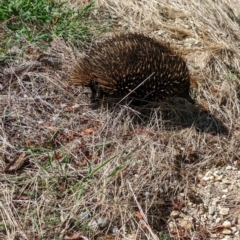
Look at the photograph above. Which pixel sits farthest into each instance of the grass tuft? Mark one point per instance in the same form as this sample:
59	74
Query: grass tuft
38	22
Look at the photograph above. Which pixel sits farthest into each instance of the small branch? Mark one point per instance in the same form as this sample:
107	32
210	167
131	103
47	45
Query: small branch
23	67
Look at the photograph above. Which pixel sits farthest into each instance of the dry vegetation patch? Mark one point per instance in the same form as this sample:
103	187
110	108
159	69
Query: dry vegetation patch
69	171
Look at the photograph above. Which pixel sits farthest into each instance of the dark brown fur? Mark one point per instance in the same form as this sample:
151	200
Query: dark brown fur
134	66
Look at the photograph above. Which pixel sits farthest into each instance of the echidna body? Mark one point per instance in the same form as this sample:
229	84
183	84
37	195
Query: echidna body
133	66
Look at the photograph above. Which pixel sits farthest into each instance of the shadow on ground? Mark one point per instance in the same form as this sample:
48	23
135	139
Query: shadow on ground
172	116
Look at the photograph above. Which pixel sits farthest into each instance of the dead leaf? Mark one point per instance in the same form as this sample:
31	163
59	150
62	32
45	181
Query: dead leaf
195	84
76	236
16	164
62	188
143	225
30	143
203	107
108	237
138	215
58	155
178	205
186	224
52	128
213	89
56	20
217	229
148	132
69	109
23	198
88	131
81	164
179	232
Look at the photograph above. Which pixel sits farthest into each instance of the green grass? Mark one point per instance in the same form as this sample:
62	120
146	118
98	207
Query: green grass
164	236
40	21
233	77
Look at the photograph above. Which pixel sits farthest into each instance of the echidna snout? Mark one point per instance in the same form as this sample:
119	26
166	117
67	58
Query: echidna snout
133	66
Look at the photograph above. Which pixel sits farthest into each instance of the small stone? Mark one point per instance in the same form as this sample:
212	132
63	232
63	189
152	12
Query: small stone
224	196
210	217
228	167
113	230
211	177
224	211
186	224
103	222
200	176
214	202
219	178
130	236
93	225
226	232
234	229
75	106
85	216
174	214
225	190
208	174
227	224
63	105
227	181
211	210
171	225
205	178
201	209
237	233
218	220
216	173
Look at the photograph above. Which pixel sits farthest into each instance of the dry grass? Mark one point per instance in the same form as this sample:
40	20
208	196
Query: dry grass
101	171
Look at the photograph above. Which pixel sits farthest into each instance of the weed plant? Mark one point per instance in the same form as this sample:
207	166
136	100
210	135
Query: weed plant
39	21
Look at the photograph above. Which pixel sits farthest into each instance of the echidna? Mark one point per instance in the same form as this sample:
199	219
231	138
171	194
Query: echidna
133	66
